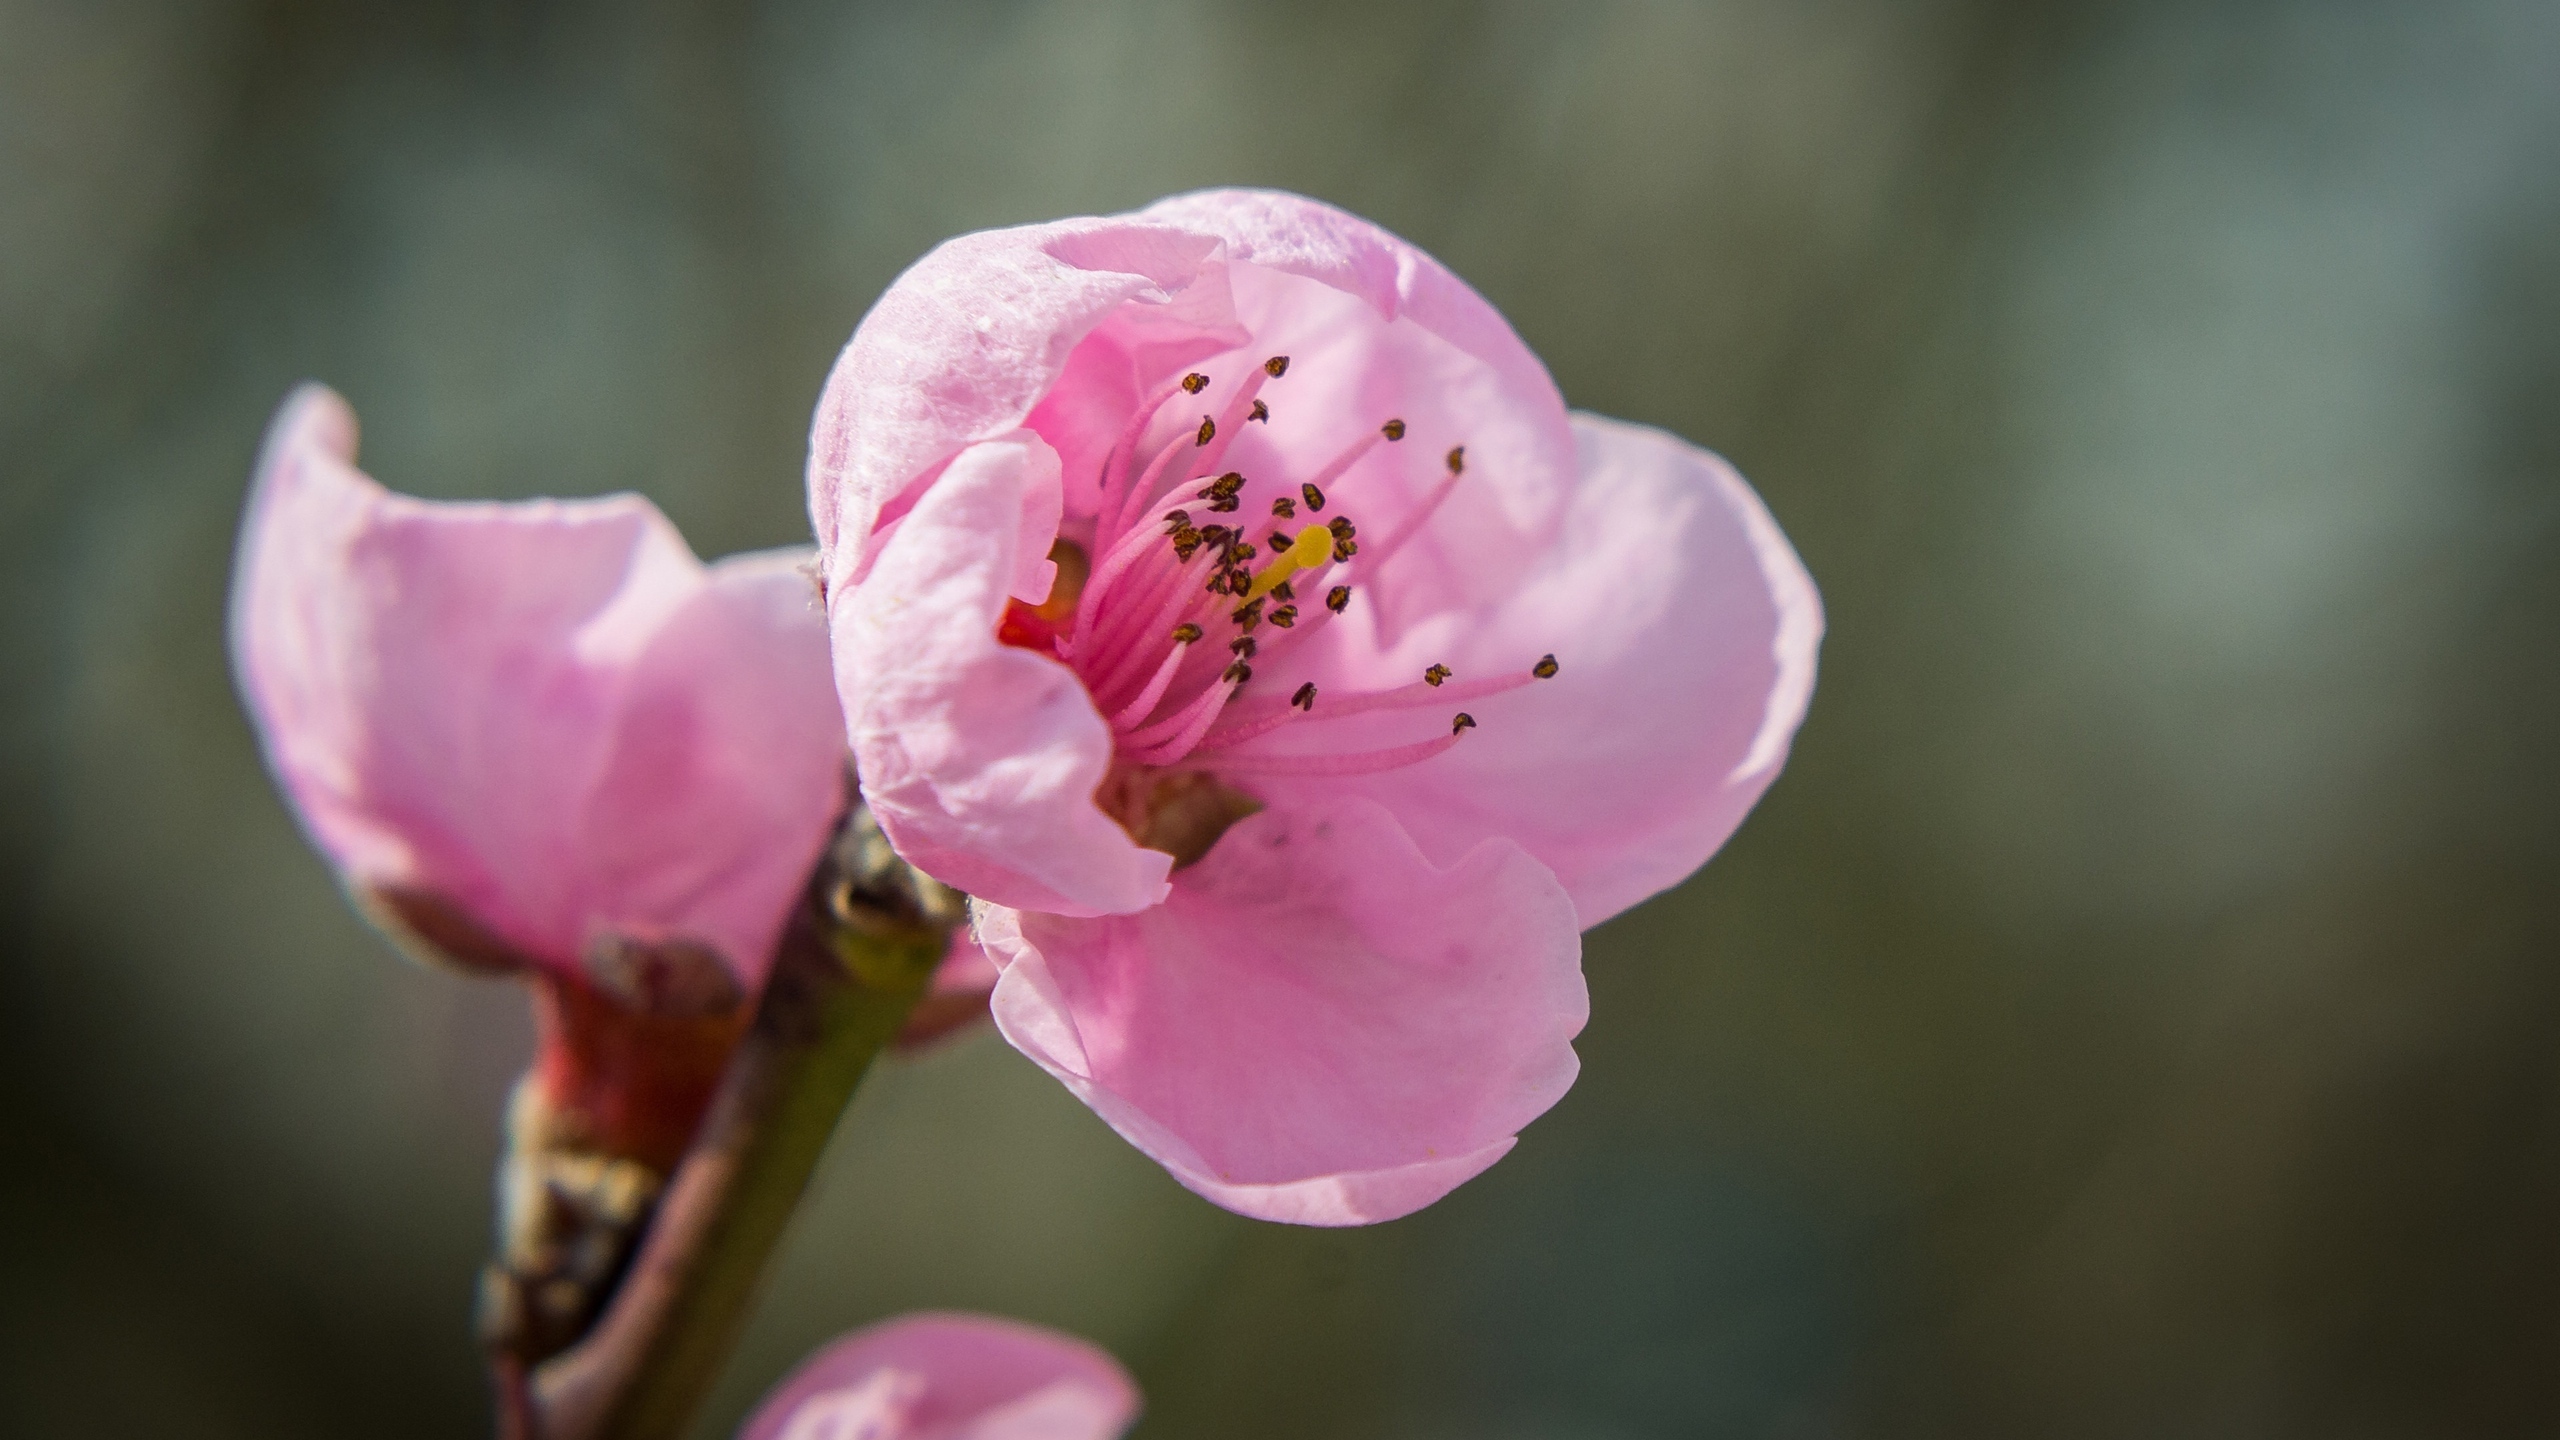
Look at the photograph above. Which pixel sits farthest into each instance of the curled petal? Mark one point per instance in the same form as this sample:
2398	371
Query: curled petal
545	717
1319	1025
979	758
966	343
950	1377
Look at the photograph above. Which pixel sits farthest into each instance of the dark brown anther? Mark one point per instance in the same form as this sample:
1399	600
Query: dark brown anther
1276	366
1244	646
1260	412
1285	616
1282	593
1336	598
1315	497
1186	545
1393	430
1239	672
1278	540
1214	534
1342	527
1227	484
1177	519
1225	505
1185	633
1437	676
1305	699
1457	458
1464	722
1283	507
1195	382
1344	550
1208	431
1248	614
1240	552
1545	669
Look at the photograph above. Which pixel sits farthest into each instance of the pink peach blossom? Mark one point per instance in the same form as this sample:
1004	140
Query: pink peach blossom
1224	597
950	1377
538	733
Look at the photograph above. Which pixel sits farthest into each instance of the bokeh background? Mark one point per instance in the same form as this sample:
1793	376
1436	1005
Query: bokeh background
2134	1012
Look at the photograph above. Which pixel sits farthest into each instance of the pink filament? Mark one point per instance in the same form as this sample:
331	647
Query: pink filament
1116	468
1187	726
1366	762
1403	697
1138	709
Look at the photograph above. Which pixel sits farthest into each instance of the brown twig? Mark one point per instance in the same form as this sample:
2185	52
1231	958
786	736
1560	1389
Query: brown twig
857	955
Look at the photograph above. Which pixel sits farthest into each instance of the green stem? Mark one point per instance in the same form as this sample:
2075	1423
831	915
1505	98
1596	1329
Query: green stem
858	954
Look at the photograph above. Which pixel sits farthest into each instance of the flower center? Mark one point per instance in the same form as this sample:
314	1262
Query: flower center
1166	627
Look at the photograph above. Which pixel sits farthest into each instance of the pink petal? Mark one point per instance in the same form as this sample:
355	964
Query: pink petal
962	347
979	758
1686	630
544	713
1319	1025
725	767
950	1377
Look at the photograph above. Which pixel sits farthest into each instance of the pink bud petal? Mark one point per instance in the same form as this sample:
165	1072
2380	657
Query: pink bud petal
950	1377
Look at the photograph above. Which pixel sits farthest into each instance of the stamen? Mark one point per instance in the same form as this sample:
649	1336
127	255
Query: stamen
1463	723
1141	615
1413	523
1237	673
1285	616
1142	492
1283	507
1437	676
1117	505
1238	409
1260	412
1313	489
1457	459
1140	708
1208	431
1171	739
1107	574
1336	598
1243	646
1368	762
1253	721
1305	699
1545	669
1185	633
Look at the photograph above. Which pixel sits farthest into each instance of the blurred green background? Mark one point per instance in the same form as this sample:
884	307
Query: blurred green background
2132	1014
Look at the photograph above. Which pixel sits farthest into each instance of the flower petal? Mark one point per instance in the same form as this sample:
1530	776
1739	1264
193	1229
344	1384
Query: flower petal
979	758
963	346
532	713
1686	630
941	1376
1319	1025
724	767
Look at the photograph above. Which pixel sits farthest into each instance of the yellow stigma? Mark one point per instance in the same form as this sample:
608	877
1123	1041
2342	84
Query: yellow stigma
1313	547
